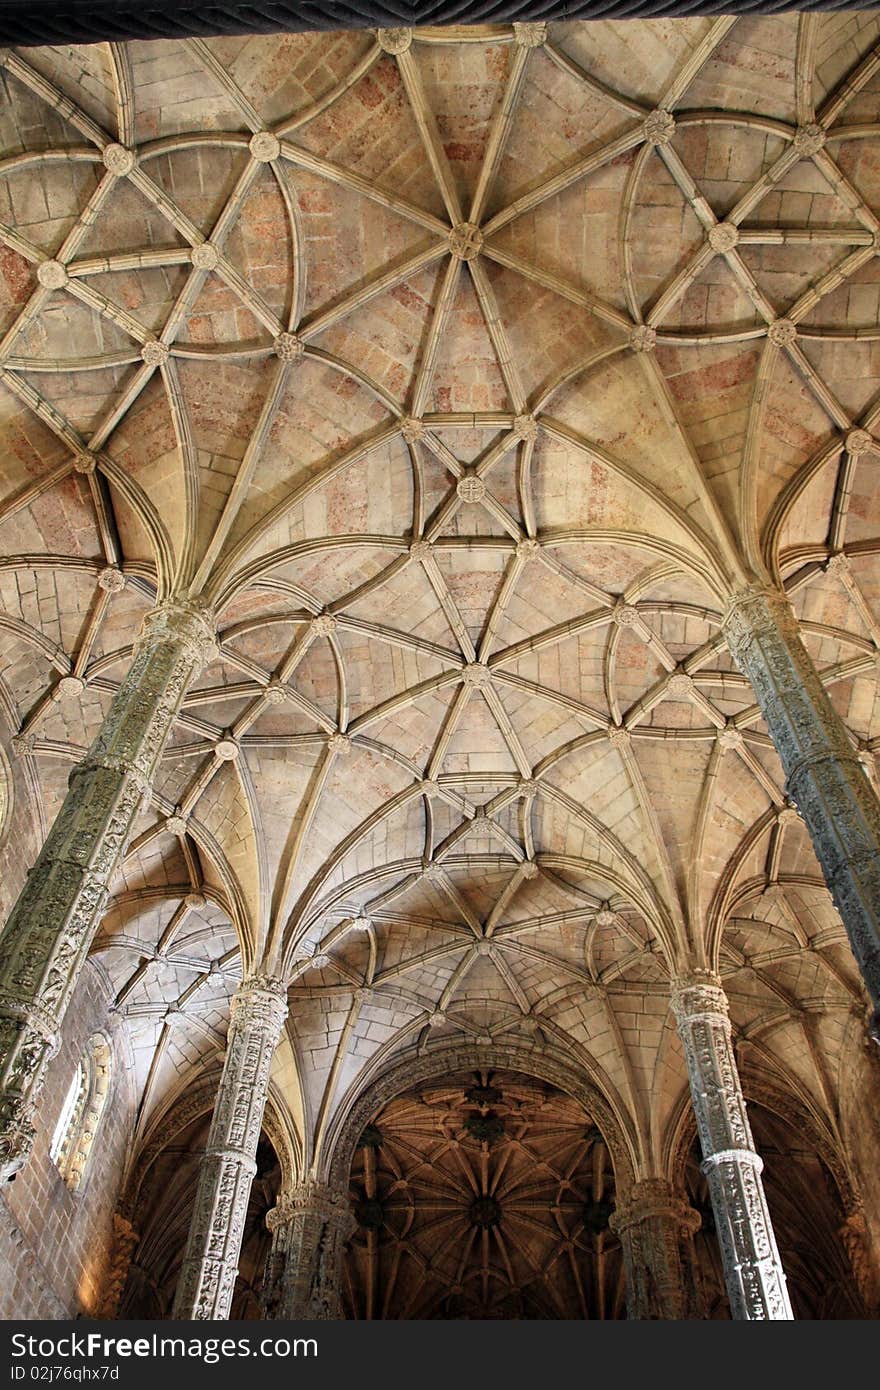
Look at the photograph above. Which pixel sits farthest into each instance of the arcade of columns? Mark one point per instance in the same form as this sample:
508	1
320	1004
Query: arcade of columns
717	574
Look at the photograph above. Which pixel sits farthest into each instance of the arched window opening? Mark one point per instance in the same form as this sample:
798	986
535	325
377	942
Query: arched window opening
74	1136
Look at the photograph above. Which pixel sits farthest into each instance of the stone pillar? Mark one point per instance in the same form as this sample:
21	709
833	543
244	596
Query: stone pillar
752	1267
309	1226
210	1264
857	1243
125	1238
824	776
47	937
656	1230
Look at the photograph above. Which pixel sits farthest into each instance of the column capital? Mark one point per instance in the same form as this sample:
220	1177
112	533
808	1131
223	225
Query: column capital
699	994
310	1225
312	1198
179	620
756	608
649	1199
656	1228
260	1001
262	983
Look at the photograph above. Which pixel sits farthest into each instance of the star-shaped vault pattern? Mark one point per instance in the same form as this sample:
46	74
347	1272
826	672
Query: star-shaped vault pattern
465	373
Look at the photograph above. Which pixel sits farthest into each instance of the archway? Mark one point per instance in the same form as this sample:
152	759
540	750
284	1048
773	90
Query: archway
484	1193
809	1221
162	1213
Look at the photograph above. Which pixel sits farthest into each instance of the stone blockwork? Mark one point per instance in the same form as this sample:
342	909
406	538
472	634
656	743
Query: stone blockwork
466	381
59	1244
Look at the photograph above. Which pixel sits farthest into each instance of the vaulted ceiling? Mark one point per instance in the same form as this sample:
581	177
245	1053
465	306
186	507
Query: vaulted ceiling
465	373
484	1196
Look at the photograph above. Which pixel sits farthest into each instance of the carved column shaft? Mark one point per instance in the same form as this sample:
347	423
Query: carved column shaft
210	1264
752	1268
309	1226
857	1243
823	772
656	1230
49	931
125	1238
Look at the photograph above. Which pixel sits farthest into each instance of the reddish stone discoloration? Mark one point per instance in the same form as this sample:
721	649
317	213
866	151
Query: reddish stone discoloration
721	376
17	276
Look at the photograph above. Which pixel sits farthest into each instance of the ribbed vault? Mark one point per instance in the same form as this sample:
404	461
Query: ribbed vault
465	373
484	1196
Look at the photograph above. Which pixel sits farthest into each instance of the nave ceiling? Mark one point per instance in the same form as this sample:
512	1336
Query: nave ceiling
465	374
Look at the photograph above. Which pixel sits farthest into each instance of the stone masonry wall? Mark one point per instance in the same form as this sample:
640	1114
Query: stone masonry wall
55	1244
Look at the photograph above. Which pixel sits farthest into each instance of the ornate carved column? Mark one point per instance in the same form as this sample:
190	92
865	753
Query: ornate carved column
752	1267
824	775
656	1230
49	931
125	1238
309	1226
210	1264
857	1243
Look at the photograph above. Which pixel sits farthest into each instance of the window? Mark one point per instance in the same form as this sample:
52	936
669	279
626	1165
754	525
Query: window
81	1112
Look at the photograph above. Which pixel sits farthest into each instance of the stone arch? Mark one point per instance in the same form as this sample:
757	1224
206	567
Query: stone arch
768	1098
192	1103
409	1071
762	1089
161	1189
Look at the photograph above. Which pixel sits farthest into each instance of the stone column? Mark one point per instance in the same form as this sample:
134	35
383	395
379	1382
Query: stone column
656	1230
210	1264
309	1226
857	1243
752	1267
125	1238
823	772
47	936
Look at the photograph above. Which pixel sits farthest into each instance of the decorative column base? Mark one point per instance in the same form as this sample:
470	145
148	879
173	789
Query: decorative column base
309	1226
210	1264
752	1268
656	1230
